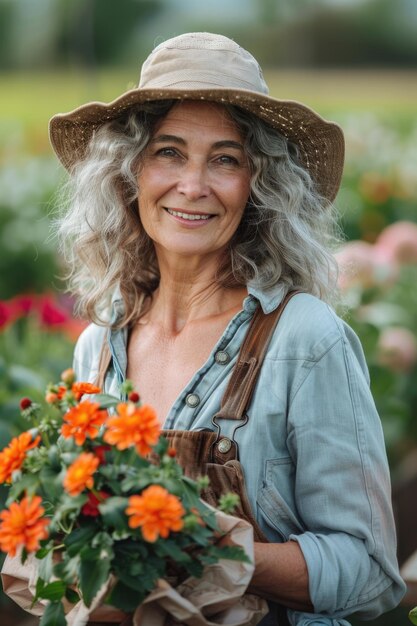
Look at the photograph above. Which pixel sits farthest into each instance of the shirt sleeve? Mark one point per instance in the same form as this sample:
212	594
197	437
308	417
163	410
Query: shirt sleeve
343	492
87	353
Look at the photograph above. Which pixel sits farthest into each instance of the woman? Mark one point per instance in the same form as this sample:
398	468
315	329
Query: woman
195	200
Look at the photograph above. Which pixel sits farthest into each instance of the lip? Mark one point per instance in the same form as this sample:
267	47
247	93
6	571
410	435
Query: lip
193	223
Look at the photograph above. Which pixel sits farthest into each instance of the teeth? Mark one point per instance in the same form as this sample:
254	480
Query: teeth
188	216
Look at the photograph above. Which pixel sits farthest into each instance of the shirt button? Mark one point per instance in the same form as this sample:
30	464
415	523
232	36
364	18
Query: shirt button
224	445
192	400
222	357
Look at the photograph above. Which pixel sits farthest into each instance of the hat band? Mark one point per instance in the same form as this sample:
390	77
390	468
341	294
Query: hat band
196	79
193	79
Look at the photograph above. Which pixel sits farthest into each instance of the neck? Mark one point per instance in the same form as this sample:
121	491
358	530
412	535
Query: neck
188	292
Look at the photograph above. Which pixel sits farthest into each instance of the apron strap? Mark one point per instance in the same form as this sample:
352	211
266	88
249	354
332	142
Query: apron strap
241	385
103	363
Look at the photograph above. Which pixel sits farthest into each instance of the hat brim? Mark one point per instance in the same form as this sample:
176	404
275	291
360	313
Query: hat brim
320	143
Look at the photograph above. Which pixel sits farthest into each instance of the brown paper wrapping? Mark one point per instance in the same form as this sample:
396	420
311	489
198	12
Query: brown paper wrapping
218	598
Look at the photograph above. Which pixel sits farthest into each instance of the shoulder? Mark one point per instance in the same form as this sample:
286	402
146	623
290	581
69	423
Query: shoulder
87	351
309	328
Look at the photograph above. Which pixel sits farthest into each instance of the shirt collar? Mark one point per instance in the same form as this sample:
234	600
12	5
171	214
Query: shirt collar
269	300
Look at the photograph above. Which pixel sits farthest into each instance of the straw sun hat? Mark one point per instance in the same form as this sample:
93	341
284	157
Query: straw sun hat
203	66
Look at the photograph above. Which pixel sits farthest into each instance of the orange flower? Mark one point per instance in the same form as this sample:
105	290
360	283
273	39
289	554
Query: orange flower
157	512
83	420
133	425
79	475
12	457
79	389
22	526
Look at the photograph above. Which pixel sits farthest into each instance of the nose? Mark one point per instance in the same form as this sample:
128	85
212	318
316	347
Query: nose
193	181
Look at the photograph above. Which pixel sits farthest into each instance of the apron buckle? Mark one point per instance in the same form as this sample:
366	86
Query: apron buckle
224	444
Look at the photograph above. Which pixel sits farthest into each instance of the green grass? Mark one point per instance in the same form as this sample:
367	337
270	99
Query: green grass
30	99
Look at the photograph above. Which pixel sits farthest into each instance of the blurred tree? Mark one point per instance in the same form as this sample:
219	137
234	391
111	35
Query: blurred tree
6	17
307	33
47	33
98	31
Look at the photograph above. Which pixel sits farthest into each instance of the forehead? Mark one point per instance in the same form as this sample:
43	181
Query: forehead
200	117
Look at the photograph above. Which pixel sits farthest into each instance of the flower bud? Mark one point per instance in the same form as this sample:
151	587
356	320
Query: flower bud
134	396
51	397
25	403
203	482
228	502
172	452
68	376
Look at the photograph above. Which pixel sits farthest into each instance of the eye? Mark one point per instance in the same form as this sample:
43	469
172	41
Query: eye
167	152
227	159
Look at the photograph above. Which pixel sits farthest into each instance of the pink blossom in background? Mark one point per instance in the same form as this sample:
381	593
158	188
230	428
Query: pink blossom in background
397	243
397	349
356	265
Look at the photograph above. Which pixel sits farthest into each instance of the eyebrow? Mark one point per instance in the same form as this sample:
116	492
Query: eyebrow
224	143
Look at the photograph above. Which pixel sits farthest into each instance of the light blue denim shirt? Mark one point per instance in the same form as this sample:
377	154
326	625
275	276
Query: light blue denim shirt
312	451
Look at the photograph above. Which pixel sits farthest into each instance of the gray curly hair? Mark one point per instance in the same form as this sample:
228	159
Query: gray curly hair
286	235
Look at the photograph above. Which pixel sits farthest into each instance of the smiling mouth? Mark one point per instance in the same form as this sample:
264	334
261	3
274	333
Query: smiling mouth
189	216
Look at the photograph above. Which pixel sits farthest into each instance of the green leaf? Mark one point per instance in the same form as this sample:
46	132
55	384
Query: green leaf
79	538
68	569
28	483
93	574
126	598
194	568
170	548
106	401
162	446
71	595
40	584
201	535
413	615
52	591
231	553
45	566
51	482
113	513
103	542
53	615
190	494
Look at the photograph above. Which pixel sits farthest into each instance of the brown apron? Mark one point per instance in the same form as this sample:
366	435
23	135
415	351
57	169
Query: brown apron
207	452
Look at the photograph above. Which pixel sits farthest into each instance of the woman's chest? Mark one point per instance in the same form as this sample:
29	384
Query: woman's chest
161	366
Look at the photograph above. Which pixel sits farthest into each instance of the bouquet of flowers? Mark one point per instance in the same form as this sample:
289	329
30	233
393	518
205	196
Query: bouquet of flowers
98	501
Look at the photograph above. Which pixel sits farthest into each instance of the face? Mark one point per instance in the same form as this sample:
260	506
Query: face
193	181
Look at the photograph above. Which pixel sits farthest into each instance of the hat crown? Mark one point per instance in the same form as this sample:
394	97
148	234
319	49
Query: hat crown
202	61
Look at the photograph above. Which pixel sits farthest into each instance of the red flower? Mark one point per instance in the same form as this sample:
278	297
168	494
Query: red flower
25	403
100	452
90	508
22	305
6	314
51	314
